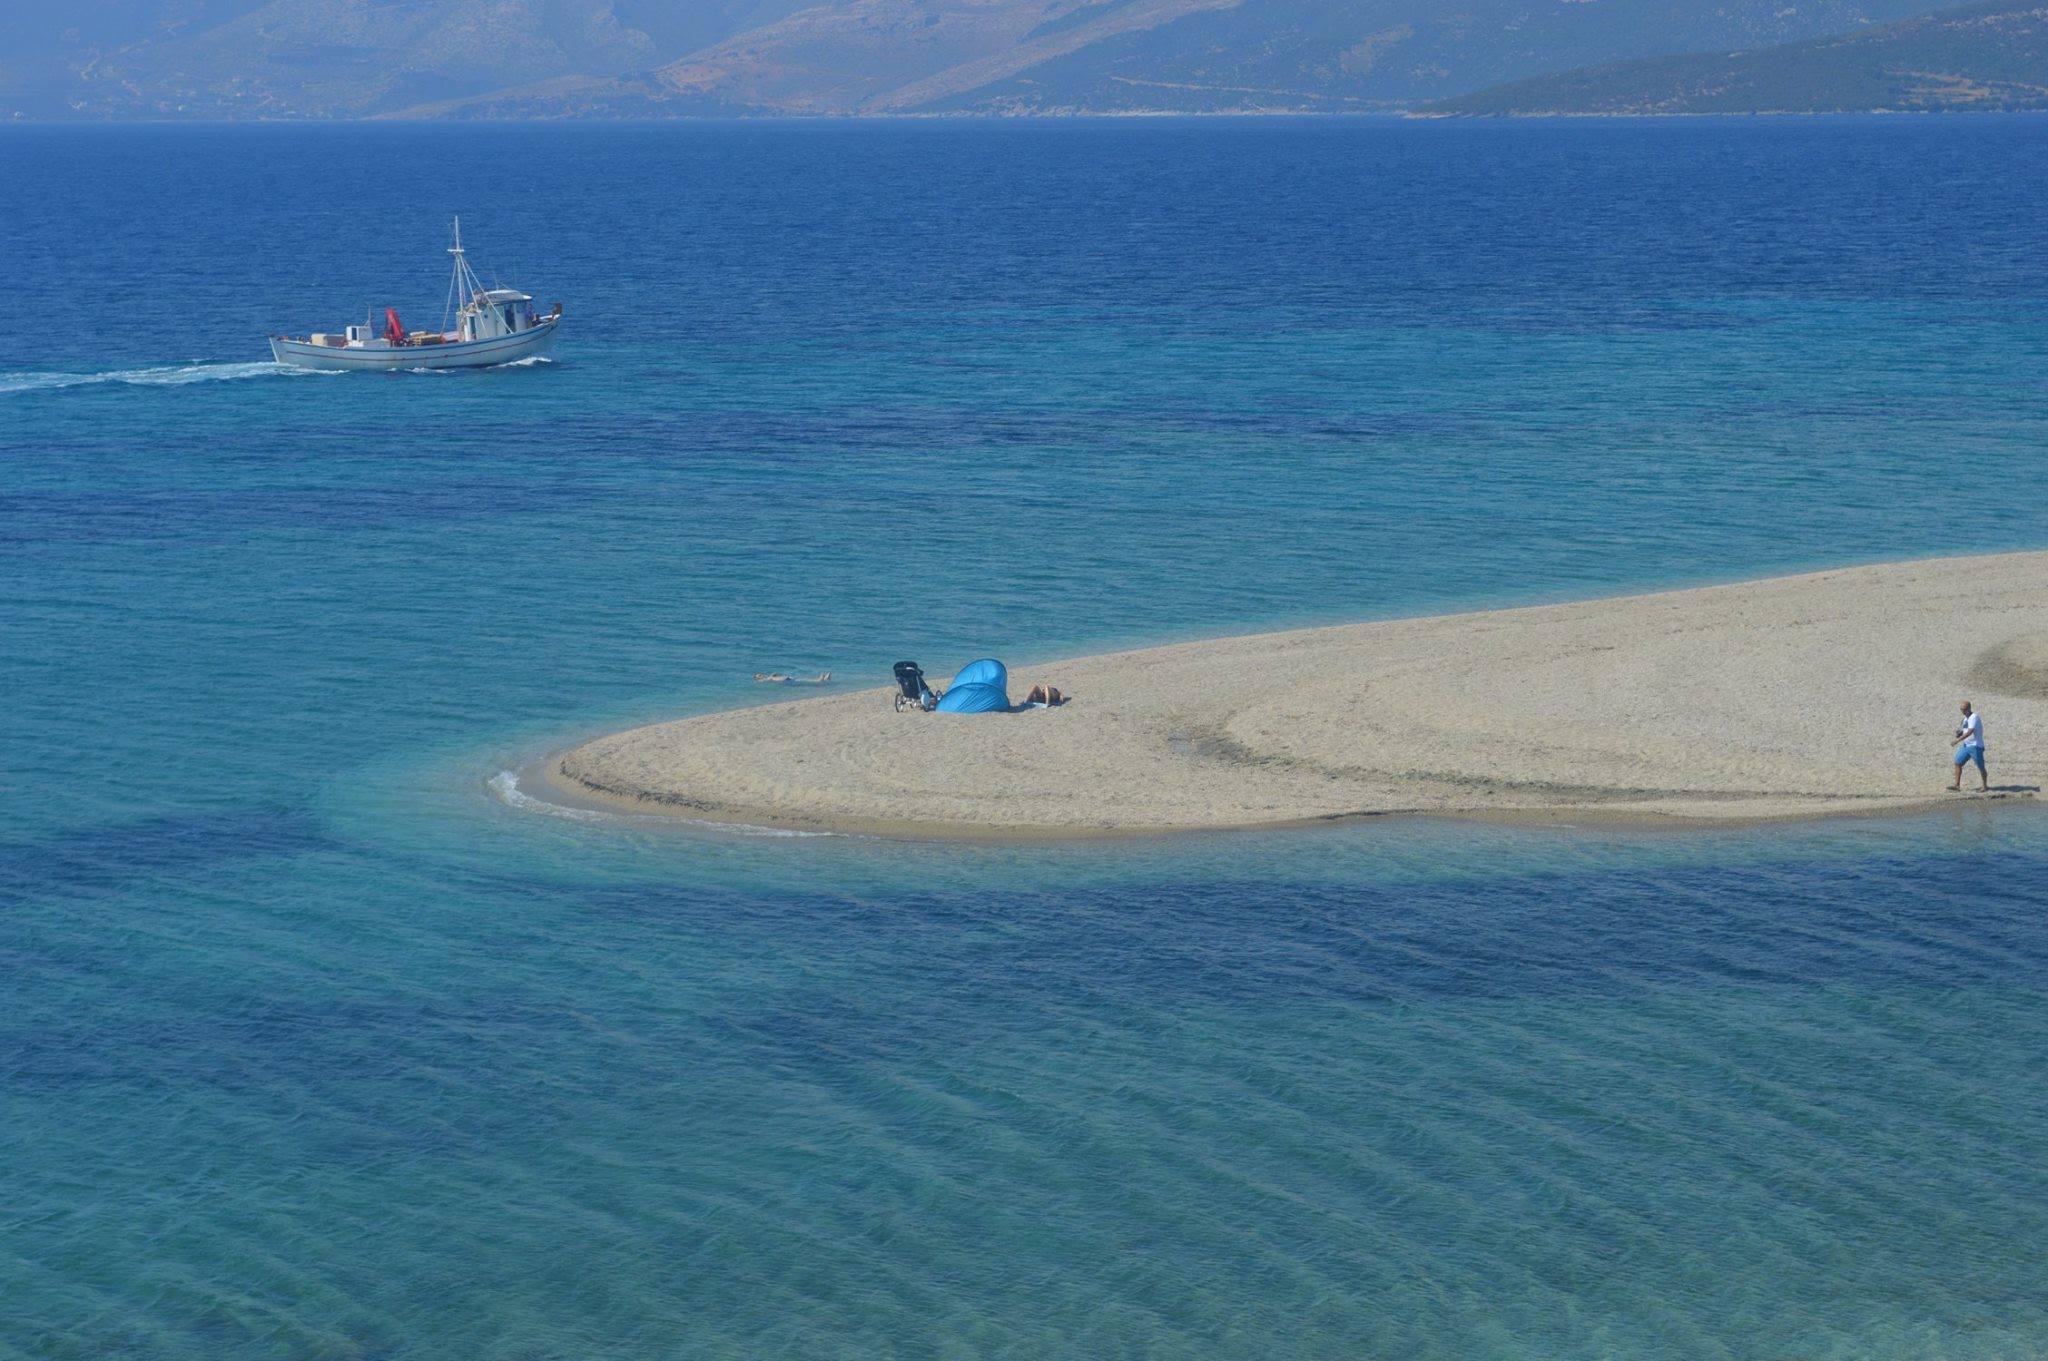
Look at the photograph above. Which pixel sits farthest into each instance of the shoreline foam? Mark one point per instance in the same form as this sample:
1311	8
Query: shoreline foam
1824	694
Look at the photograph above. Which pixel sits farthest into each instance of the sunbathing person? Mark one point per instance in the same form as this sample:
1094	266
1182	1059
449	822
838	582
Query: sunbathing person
1048	695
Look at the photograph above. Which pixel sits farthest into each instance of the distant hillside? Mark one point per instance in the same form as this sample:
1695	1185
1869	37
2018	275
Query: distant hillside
1363	55
331	58
1986	56
1174	56
600	58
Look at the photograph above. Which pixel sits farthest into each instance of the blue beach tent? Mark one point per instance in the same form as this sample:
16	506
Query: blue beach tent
982	687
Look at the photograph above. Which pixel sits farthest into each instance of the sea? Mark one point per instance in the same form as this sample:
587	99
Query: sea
320	1037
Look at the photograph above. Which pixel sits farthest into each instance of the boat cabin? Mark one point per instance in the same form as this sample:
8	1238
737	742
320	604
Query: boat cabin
495	312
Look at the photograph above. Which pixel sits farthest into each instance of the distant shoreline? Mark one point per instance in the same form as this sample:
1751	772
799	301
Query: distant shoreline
1542	115
1819	695
1390	115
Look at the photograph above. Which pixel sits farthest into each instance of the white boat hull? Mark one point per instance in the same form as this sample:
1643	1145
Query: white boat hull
461	354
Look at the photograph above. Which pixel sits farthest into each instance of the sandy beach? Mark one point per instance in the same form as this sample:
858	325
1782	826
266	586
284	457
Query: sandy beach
1815	695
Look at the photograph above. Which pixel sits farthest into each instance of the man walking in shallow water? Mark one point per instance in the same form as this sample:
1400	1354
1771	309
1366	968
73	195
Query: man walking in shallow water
1970	747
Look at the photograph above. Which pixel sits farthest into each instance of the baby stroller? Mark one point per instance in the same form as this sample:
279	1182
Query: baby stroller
911	691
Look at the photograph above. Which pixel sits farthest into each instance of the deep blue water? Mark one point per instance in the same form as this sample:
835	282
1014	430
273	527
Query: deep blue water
311	1046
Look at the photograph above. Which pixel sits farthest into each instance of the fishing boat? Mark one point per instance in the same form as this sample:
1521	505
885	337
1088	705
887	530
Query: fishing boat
491	326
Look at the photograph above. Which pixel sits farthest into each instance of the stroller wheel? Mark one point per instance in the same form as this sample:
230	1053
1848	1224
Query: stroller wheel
899	704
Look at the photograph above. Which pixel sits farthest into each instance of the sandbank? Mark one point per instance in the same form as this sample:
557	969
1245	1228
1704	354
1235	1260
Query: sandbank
1822	694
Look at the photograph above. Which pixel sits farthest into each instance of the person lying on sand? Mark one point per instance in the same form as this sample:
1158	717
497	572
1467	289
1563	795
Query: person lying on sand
1969	736
1048	695
777	678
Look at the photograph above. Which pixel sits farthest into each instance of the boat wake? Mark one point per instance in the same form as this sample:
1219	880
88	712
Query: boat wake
168	375
525	363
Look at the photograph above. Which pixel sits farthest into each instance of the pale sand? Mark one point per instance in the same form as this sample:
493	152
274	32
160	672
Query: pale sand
1823	694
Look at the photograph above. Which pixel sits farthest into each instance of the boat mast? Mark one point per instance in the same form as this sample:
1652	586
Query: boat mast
462	284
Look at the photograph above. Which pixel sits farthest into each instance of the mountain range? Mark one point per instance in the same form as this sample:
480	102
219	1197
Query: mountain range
1979	57
103	59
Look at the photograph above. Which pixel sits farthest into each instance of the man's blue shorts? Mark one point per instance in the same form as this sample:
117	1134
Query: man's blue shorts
1971	751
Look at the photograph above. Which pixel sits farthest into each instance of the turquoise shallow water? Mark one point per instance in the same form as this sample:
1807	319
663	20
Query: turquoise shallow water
313	1047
